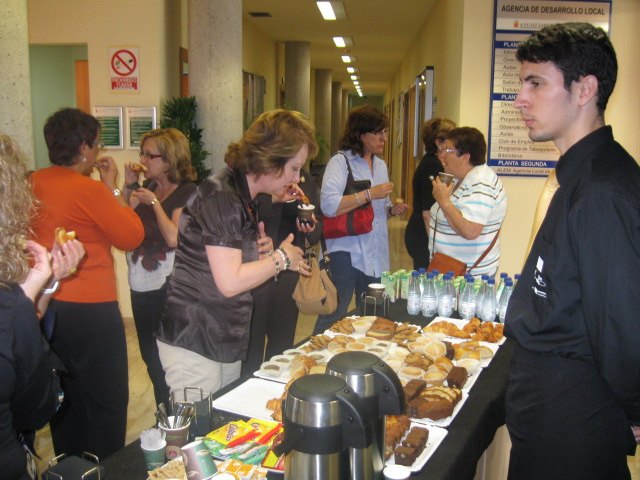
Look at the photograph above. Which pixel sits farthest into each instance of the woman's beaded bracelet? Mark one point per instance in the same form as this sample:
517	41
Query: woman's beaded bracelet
367	193
287	262
358	199
276	263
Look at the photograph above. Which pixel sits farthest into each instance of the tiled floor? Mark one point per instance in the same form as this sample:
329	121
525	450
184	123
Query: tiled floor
141	401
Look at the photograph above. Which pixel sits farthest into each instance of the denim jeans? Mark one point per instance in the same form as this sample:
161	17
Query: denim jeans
347	280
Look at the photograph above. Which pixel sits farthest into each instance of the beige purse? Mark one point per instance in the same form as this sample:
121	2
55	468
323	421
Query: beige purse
316	294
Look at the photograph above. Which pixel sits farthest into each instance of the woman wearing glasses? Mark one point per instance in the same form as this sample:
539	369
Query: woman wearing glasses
89	334
468	212
169	182
358	260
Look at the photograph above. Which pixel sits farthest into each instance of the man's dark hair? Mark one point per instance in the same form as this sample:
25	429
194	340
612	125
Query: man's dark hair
469	140
361	120
65	131
577	50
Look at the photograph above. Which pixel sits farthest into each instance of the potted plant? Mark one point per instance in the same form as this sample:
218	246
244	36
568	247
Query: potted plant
180	113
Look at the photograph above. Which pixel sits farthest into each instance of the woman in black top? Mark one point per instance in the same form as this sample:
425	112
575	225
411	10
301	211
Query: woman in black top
415	235
29	388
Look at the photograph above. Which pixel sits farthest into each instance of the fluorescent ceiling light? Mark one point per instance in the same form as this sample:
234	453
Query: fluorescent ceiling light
356	83
354	77
352	69
348	58
326	10
333	10
342	42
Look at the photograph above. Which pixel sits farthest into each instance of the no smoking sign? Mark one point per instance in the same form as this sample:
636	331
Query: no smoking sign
123	69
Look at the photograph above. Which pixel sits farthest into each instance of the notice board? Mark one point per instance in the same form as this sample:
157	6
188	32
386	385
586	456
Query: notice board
510	152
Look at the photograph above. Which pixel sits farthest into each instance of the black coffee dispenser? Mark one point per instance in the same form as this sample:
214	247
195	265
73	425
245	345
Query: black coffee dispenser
381	394
322	418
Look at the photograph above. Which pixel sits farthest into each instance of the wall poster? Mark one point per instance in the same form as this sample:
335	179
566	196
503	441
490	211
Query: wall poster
140	120
510	152
110	119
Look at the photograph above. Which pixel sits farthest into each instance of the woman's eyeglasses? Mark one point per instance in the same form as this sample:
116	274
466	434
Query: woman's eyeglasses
150	156
447	151
384	132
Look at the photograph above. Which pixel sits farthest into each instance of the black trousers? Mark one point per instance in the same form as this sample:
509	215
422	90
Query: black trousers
147	307
274	319
89	339
416	241
563	421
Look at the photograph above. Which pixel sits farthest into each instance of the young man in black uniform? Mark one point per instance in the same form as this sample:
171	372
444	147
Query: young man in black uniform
574	390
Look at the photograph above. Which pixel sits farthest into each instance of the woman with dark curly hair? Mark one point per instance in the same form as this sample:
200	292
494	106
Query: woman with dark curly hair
29	388
223	254
166	163
89	334
358	260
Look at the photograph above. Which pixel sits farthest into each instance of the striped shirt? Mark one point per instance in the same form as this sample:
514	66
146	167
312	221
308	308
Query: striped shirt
481	199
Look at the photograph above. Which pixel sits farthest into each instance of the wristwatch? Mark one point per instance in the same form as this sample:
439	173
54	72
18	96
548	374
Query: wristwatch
116	192
51	289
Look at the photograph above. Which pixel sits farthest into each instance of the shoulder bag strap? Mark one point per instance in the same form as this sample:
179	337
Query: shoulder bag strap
350	178
484	254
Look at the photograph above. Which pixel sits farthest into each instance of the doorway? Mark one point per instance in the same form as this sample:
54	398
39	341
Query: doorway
56	82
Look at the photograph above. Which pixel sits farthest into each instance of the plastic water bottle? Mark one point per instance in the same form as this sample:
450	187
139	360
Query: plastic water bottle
481	293
516	277
500	286
445	300
413	295
422	278
504	300
488	306
429	301
467	301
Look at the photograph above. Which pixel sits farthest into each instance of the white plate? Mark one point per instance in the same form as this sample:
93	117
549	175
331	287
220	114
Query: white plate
460	324
444	422
436	435
250	398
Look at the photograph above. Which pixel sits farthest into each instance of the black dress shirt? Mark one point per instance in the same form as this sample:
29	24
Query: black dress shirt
578	295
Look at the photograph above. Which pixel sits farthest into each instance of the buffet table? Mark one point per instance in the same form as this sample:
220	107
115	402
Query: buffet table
470	433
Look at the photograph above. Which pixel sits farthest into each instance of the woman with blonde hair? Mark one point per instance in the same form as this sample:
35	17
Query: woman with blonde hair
29	387
169	182
223	253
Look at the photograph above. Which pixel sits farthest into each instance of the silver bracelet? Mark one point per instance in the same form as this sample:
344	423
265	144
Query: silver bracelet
357	195
52	289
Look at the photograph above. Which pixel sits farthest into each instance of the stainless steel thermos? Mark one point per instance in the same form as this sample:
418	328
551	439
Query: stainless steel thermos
322	419
381	394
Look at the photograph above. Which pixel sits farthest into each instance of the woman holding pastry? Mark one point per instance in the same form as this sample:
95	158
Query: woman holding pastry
465	221
89	334
358	260
166	165
29	387
223	254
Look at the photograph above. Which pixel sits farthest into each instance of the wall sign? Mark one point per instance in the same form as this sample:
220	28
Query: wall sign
123	69
110	119
509	148
140	120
